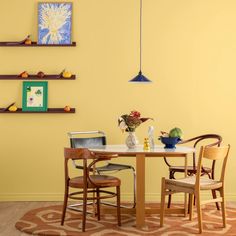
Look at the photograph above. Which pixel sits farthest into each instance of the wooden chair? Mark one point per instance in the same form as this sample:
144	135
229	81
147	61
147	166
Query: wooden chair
85	139
193	185
211	140
89	183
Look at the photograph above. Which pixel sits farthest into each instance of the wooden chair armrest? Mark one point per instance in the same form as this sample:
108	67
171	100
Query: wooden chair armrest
107	156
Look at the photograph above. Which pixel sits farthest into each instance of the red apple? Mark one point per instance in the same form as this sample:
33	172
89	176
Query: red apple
40	74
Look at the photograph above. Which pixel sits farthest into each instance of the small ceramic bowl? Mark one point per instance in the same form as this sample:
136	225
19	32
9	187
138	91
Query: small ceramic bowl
169	141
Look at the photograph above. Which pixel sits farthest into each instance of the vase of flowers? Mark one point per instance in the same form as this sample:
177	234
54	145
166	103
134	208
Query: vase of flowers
129	123
131	140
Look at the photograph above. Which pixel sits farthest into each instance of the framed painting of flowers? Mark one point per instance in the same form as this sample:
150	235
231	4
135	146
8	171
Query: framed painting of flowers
35	96
54	22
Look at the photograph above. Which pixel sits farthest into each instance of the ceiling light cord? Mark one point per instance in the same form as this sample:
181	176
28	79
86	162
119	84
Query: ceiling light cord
140	78
140	36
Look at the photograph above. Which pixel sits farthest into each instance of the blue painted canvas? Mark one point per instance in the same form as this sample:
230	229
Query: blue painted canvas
54	23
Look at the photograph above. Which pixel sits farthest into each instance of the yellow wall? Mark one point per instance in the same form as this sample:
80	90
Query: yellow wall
189	52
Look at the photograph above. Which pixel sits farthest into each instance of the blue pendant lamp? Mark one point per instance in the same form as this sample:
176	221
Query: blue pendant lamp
140	78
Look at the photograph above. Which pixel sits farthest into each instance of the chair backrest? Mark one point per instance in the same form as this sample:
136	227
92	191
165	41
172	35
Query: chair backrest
83	154
86	139
214	154
211	140
81	139
77	154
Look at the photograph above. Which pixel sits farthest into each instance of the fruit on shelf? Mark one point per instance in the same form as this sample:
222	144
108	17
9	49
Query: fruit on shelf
24	74
66	108
40	74
28	41
12	108
6	109
66	74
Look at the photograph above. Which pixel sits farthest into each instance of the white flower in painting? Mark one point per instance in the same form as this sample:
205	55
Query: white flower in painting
53	17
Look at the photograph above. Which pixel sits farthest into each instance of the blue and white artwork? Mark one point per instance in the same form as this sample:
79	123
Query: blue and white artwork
54	23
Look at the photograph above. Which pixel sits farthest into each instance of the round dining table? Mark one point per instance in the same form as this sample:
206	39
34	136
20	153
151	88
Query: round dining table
140	156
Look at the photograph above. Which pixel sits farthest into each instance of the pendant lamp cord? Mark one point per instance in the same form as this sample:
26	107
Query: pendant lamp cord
141	6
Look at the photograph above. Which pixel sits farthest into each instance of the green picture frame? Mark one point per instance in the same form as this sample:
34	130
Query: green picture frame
35	96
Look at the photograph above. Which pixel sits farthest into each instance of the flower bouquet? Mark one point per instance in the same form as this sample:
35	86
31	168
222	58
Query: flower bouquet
129	123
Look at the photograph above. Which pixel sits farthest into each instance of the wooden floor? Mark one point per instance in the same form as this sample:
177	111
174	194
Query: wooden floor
10	212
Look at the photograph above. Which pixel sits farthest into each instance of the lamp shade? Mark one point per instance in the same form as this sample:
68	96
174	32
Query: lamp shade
140	78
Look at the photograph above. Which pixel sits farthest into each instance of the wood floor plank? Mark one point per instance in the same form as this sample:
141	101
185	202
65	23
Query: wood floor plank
10	212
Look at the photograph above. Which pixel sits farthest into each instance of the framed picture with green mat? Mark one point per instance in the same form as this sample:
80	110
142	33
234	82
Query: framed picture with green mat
35	96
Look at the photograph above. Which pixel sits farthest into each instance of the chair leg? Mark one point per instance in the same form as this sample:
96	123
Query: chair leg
171	176
84	209
199	212
98	203
64	206
189	203
223	207
214	196
163	189
191	206
134	176
118	205
94	203
169	201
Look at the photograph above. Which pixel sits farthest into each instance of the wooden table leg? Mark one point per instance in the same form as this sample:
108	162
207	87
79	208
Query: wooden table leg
140	206
185	195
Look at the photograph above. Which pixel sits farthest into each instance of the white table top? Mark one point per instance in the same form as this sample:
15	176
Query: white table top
157	151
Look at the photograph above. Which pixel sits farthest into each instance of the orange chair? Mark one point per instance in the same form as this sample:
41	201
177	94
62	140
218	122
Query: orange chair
86	139
89	183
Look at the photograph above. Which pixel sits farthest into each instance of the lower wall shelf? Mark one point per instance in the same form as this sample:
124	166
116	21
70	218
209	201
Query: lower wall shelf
50	110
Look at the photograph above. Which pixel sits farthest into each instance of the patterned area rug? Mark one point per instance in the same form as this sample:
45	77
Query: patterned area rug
46	221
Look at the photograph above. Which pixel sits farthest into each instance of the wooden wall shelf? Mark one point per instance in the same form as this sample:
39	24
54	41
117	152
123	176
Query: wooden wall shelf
50	110
35	44
35	77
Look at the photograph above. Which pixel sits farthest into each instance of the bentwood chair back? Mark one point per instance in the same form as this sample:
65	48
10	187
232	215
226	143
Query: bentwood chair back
92	185
197	183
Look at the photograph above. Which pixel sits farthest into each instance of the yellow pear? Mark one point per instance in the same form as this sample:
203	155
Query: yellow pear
12	108
66	74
